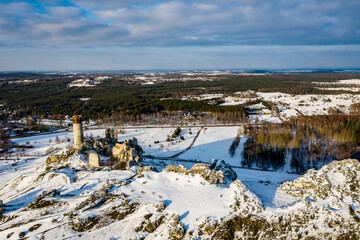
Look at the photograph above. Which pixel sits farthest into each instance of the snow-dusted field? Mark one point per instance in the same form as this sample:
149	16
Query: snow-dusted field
148	136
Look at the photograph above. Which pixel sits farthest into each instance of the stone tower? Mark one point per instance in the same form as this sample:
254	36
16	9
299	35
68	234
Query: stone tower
78	130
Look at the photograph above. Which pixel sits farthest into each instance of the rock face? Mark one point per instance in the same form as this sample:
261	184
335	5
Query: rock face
246	202
2	208
339	178
220	165
127	153
325	204
328	198
54	159
217	172
84	224
177	169
176	229
39	201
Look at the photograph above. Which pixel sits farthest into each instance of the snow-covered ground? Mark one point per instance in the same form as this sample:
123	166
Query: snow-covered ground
212	142
341	82
350	89
264	118
129	208
84	99
25	81
190	197
85	82
351	85
320	199
148	136
203	97
312	104
293	105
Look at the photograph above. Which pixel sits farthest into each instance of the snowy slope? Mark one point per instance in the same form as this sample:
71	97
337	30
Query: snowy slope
72	200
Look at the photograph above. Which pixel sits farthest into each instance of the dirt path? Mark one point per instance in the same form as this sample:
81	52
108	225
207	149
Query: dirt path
179	153
192	143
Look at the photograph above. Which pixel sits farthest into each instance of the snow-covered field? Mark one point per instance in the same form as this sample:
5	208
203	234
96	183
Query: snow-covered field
203	97
148	136
85	82
312	104
294	105
341	82
351	85
350	89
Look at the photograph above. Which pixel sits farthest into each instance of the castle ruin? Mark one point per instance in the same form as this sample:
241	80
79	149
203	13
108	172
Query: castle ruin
107	151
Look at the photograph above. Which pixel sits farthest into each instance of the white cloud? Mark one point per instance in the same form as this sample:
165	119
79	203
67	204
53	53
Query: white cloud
205	7
179	23
66	12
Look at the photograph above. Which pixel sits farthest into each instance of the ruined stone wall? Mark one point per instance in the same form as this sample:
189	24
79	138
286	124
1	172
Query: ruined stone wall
127	153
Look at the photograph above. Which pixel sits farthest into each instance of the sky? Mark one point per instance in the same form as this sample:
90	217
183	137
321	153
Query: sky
191	34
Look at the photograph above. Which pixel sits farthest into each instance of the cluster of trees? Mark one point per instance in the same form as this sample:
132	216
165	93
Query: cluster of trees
176	132
310	142
234	145
5	142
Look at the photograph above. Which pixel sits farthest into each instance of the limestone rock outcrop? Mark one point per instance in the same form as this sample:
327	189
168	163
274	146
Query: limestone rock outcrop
339	178
217	172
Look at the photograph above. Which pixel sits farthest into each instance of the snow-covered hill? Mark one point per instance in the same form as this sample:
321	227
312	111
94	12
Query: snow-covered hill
86	82
68	200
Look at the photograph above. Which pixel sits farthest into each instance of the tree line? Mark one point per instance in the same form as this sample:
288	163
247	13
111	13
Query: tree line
51	95
309	141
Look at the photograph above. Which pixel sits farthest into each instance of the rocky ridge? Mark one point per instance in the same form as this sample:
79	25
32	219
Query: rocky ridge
69	199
